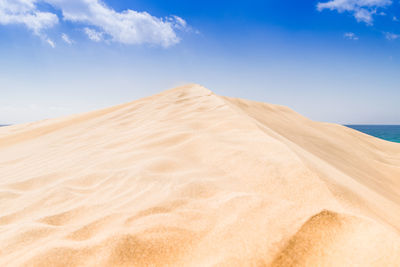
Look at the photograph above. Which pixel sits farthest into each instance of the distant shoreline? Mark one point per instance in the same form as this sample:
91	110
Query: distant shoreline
395	125
386	132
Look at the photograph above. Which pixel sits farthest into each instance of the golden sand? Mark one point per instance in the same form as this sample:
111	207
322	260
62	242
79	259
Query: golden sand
189	178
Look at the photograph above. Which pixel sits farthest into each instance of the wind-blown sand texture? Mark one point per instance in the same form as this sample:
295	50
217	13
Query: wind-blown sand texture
189	178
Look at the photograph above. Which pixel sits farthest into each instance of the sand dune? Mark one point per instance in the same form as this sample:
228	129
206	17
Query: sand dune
189	178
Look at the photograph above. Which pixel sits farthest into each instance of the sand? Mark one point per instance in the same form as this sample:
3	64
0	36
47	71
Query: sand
189	178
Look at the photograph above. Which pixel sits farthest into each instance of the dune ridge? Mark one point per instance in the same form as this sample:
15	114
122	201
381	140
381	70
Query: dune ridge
189	178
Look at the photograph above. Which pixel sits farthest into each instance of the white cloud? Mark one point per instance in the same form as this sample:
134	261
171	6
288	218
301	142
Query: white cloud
178	22
25	12
50	42
351	36
362	10
364	15
93	34
100	21
392	36
395	18
128	27
66	39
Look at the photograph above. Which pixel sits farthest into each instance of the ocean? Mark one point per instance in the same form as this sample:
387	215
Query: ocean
385	132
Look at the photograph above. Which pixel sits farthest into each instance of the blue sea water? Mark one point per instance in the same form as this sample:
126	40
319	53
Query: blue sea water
385	132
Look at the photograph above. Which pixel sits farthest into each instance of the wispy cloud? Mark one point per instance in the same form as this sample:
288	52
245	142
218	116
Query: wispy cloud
100	21
351	36
362	10
50	42
25	12
391	36
94	35
66	38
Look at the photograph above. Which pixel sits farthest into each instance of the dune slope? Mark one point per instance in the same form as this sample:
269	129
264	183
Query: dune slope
189	178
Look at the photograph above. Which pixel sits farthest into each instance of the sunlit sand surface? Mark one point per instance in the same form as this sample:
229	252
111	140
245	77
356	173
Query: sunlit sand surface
189	178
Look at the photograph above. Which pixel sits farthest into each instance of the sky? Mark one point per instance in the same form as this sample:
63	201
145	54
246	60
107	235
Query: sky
330	60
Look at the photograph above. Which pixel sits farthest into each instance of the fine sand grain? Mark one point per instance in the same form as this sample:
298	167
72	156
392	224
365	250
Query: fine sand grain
189	178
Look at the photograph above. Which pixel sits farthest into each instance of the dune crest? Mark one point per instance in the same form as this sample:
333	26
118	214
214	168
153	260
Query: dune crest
189	178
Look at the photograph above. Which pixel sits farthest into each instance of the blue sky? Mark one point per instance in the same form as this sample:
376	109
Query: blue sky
331	60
